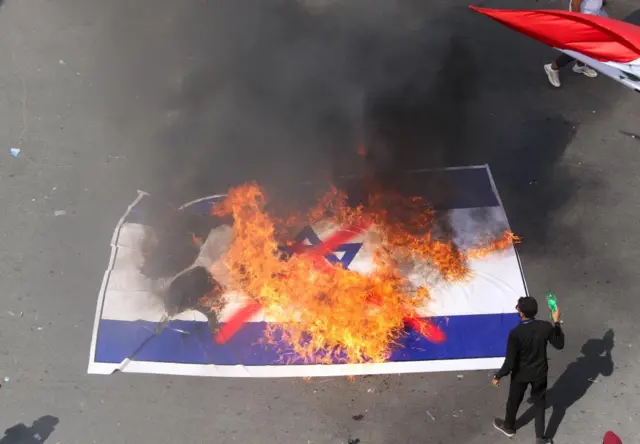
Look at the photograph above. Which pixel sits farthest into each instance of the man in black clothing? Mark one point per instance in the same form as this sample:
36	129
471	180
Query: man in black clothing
526	361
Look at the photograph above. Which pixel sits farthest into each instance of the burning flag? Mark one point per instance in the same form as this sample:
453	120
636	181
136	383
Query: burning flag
607	45
390	285
326	313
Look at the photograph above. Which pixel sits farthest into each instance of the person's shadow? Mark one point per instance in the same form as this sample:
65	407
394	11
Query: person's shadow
574	382
38	433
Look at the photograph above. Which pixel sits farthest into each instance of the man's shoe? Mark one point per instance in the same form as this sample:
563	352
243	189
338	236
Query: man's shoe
499	425
553	75
585	70
544	440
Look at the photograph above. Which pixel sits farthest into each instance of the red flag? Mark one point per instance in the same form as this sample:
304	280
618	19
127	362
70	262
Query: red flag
607	45
611	438
601	38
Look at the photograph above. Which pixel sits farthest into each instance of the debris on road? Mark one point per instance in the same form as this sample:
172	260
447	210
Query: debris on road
430	415
460	376
7	379
15	152
59	213
632	135
358	417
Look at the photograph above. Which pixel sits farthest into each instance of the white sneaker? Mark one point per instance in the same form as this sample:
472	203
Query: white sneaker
584	69
553	75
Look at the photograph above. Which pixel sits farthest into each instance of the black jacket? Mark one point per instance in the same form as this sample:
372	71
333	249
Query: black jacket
526	358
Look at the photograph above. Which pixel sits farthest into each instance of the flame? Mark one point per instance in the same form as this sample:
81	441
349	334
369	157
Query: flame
508	238
325	313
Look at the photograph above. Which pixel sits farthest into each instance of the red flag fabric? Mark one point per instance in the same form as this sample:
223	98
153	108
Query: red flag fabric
600	38
611	438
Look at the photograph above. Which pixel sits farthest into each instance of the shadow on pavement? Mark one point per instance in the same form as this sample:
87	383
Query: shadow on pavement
39	431
575	381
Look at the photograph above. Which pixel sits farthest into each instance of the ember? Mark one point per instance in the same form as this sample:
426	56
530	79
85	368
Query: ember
326	313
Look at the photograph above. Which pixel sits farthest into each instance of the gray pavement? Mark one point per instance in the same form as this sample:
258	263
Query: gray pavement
187	98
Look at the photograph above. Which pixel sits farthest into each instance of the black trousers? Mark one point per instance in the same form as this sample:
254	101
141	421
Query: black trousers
564	59
516	395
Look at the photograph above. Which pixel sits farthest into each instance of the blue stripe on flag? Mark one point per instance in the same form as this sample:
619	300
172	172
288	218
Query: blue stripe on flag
443	189
190	342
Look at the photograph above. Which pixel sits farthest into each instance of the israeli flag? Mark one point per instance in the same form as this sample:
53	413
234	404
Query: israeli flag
135	331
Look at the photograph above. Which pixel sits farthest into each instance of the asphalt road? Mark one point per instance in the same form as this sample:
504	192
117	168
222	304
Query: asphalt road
187	98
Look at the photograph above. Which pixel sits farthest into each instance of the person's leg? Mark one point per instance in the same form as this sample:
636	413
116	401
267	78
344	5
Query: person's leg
539	396
516	394
553	69
562	61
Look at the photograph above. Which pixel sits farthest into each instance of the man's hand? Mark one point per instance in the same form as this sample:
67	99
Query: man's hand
555	315
495	382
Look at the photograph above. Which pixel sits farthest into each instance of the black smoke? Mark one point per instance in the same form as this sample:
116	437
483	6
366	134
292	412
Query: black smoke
282	92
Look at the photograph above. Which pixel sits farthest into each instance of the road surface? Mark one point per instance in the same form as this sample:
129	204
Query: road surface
187	98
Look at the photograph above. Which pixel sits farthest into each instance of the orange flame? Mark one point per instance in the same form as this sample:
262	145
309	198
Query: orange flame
508	238
327	313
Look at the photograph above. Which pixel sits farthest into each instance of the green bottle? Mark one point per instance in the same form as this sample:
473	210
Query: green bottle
552	302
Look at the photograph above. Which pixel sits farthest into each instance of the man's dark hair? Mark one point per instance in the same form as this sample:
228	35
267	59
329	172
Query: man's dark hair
528	306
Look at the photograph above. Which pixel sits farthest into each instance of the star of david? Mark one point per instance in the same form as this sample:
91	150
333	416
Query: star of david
348	250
